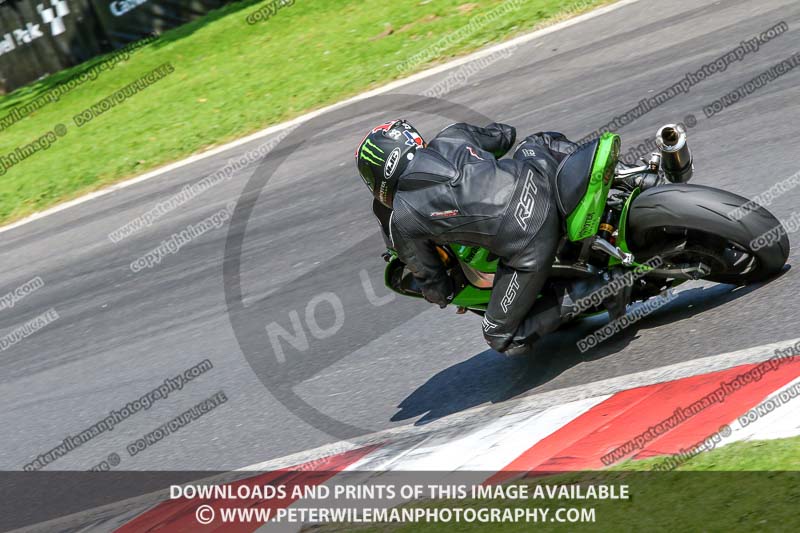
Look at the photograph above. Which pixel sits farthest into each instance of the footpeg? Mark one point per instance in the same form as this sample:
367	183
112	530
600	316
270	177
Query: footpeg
602	245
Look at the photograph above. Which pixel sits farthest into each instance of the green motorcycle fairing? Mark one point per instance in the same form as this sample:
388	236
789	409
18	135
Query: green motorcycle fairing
622	241
584	221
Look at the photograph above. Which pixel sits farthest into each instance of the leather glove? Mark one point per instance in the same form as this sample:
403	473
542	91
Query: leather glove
439	291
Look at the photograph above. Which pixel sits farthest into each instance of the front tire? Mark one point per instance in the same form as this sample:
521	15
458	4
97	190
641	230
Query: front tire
685	223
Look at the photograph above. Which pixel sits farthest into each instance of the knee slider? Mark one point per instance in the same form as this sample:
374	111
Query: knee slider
498	343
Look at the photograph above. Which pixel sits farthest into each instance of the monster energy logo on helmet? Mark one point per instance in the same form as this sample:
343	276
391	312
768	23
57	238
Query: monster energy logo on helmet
369	153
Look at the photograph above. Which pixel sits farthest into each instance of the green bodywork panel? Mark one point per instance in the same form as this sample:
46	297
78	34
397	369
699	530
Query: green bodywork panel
469	296
584	221
473	298
476	257
622	243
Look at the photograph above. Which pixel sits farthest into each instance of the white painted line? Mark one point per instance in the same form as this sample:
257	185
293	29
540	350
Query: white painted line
553	408
308	116
456	457
489	448
478	417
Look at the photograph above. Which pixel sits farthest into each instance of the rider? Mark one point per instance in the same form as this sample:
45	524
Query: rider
457	189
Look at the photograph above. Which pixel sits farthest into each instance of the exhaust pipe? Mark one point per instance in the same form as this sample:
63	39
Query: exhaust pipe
676	158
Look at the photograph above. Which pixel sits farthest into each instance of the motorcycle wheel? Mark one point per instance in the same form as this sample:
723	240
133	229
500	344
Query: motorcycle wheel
686	224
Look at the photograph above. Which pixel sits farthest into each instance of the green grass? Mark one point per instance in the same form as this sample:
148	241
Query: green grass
746	486
231	79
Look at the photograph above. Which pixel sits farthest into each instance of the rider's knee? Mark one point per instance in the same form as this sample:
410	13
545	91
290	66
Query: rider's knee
498	343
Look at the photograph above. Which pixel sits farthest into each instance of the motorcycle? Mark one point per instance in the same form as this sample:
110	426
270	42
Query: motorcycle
646	220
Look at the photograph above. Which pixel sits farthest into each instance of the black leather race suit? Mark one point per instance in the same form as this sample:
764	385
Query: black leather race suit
456	190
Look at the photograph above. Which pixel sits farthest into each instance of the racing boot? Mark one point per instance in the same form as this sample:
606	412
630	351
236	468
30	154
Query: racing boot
617	303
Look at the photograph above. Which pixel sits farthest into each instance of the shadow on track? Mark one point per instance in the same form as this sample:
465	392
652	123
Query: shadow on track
493	377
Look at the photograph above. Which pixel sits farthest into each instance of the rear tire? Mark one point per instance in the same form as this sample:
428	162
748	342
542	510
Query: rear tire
694	222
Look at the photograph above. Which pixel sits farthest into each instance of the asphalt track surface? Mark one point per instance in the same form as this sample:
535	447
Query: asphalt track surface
310	233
